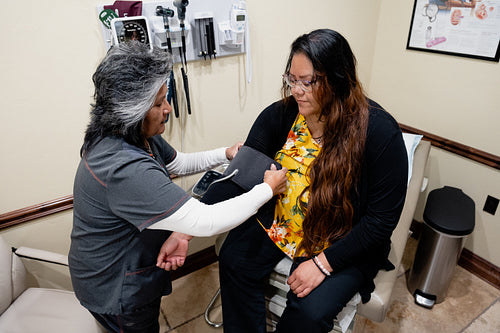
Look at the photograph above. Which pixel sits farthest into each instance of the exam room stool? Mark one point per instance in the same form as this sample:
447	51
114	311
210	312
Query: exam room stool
376	308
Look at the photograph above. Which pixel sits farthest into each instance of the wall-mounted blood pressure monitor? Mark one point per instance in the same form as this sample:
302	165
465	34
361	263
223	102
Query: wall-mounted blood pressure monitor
131	28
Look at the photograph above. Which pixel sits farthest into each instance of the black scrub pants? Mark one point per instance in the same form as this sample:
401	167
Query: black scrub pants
141	320
246	259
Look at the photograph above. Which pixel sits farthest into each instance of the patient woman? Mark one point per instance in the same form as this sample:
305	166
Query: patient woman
346	189
125	203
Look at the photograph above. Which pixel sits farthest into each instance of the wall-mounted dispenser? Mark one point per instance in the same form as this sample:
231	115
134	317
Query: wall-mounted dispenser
232	31
205	43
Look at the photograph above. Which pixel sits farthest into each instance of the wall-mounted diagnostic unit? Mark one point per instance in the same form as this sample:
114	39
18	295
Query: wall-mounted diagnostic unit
201	29
188	29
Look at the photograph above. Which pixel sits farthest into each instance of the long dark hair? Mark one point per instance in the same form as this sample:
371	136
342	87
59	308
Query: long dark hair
344	111
126	84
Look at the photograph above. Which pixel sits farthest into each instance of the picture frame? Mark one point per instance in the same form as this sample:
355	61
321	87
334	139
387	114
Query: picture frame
465	28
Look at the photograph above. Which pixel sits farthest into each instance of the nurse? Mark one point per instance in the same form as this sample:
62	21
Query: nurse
126	207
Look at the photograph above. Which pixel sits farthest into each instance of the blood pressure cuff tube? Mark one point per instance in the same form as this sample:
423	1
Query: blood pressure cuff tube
251	165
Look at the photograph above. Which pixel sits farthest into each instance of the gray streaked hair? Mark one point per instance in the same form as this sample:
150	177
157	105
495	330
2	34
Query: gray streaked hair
126	84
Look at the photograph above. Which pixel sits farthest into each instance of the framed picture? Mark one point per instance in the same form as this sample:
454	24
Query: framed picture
466	28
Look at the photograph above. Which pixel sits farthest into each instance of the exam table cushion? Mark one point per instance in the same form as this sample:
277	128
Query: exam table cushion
47	310
36	310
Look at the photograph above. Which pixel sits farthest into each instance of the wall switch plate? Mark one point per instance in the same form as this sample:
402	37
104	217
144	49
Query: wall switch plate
491	205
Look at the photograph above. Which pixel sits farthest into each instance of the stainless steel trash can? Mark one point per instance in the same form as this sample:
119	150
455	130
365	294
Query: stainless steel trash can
449	217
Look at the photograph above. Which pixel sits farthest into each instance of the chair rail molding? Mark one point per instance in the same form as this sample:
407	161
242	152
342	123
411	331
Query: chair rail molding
58	205
36	211
468	260
474	154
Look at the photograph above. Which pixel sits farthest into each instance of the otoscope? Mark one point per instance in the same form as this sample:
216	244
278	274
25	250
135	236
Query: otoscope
172	90
181	14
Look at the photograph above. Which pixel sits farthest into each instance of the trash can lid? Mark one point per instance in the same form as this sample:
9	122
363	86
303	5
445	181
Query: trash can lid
451	211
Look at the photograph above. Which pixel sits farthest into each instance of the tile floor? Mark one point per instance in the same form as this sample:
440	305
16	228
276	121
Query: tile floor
471	306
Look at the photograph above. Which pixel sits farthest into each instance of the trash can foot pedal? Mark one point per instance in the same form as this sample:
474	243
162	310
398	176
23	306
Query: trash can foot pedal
424	299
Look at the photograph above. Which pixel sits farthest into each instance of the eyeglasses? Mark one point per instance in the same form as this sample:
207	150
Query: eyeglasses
305	85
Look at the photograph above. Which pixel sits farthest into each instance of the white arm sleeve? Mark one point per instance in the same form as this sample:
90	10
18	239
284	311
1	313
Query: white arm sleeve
188	163
201	220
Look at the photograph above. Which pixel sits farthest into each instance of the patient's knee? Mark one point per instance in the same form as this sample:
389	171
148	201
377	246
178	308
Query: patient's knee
313	316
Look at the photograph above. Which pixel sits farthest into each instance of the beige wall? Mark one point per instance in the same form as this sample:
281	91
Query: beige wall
51	51
46	64
453	97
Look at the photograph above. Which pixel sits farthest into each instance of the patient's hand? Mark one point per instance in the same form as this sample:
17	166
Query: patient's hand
232	151
305	278
173	252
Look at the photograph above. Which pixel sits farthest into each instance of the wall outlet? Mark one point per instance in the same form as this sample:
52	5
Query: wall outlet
491	205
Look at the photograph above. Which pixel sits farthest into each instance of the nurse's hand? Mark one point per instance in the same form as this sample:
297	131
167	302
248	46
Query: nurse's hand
276	179
232	151
173	251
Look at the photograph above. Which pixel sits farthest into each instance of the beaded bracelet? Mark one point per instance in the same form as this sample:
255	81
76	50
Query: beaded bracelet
320	266
314	261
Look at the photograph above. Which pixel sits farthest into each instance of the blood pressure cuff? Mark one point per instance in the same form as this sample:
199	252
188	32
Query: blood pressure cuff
251	165
126	8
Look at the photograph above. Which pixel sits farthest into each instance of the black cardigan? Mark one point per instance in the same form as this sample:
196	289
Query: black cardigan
380	194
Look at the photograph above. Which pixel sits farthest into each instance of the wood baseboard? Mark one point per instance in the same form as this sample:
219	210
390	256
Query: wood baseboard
480	267
195	262
469	261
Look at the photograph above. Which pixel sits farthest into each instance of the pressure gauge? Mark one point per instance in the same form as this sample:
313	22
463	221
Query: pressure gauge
131	28
431	10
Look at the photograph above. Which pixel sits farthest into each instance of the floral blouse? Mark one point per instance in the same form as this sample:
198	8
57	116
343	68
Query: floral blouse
297	154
